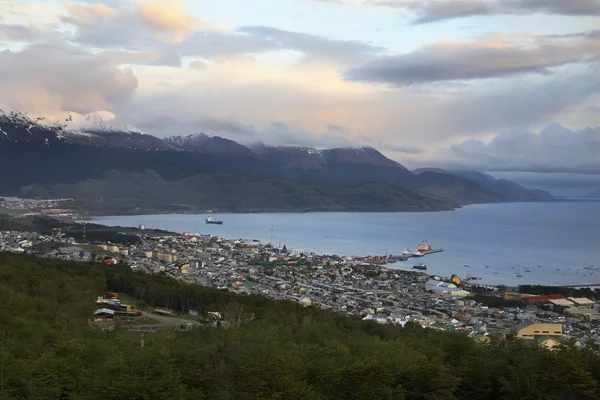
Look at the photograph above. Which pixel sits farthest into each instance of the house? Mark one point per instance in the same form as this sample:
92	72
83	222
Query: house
196	263
549	342
104	313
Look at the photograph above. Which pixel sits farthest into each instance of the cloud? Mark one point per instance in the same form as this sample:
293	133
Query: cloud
235	85
407	149
273	133
553	149
440	10
168	17
263	39
432	11
17	33
153	27
50	78
313	46
490	57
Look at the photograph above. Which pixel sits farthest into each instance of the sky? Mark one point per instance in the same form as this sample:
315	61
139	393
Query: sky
498	85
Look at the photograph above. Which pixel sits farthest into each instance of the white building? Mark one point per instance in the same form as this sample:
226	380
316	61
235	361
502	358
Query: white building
445	288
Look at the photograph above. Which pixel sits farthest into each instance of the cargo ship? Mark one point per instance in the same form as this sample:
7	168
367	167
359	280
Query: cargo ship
211	220
424	248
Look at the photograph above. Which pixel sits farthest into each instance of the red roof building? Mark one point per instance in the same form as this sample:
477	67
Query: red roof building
535	300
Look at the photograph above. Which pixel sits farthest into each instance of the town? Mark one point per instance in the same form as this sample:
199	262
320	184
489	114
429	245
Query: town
355	286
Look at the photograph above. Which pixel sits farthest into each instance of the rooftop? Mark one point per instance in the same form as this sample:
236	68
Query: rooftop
562	302
582	301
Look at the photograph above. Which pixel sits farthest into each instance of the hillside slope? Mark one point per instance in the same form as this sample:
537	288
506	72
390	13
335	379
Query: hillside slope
136	192
287	352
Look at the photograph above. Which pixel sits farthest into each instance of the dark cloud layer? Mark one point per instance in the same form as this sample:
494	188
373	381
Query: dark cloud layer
477	60
275	133
316	47
554	149
440	10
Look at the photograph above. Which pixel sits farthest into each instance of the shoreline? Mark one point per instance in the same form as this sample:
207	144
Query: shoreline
438	267
87	215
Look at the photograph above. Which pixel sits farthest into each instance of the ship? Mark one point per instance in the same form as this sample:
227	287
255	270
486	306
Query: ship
420	266
424	248
211	220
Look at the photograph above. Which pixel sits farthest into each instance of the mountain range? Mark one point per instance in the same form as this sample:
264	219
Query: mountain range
120	169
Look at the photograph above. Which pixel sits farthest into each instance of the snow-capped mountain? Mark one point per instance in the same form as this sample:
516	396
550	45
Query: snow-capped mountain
89	129
204	143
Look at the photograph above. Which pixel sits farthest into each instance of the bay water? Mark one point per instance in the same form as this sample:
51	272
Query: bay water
496	241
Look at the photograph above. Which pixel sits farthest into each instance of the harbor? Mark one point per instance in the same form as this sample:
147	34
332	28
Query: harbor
479	236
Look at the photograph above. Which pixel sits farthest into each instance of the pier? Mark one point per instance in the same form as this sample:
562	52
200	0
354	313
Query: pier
406	257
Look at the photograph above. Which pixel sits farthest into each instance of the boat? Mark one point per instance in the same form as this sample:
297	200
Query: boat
420	266
495	273
466	266
418	254
407	252
211	220
519	275
487	266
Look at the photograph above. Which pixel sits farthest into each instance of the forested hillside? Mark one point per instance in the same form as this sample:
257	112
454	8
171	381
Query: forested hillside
48	350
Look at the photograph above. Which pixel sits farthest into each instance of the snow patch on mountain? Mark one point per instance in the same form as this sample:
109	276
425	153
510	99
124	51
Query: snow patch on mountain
73	123
102	121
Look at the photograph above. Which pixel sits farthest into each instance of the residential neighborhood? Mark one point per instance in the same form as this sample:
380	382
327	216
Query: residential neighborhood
355	286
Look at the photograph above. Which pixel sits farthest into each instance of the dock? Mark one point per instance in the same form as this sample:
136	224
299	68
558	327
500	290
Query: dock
425	253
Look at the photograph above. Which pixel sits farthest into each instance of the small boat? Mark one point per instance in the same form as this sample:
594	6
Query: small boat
495	273
487	266
466	266
211	220
420	266
407	252
519	275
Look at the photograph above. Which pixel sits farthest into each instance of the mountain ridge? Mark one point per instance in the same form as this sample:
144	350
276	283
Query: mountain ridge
49	156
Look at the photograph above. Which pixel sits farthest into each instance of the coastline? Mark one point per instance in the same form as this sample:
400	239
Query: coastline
370	234
376	210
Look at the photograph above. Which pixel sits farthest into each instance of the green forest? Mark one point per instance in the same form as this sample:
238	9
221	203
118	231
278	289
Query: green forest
49	351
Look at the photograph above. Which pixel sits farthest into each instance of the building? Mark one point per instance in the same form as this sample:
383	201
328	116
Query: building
168	258
196	263
537	300
517	296
531	330
445	288
560	305
583	303
104	313
549	342
306	301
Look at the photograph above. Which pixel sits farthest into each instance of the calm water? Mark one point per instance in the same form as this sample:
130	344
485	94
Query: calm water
563	236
